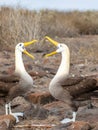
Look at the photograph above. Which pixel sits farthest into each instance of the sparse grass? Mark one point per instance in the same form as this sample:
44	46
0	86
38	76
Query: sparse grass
23	25
18	25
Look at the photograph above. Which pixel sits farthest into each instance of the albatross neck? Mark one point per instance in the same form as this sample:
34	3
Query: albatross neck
63	69
20	69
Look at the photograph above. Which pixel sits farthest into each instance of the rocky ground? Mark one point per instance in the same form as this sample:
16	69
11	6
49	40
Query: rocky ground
49	112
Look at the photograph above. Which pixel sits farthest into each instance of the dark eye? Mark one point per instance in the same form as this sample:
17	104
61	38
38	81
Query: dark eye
20	45
59	46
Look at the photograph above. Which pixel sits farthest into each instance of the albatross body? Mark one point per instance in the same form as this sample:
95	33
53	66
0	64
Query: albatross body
25	83
56	86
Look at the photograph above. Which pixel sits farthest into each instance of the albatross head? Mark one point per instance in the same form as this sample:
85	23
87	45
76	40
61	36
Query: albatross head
20	47
60	47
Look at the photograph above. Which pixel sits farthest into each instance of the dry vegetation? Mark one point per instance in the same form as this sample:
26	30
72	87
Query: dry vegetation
22	25
18	24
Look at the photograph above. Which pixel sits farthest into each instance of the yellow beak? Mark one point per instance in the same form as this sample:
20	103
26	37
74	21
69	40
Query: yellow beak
27	44
27	53
50	54
53	42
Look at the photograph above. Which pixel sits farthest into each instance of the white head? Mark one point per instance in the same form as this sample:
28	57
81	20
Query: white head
60	47
20	47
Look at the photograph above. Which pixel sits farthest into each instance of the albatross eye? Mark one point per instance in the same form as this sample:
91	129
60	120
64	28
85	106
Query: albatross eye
20	44
59	46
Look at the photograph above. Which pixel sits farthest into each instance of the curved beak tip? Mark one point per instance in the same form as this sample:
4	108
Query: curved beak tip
29	43
51	40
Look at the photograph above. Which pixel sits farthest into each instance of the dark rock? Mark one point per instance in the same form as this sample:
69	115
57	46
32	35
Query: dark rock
36	112
59	109
40	97
87	114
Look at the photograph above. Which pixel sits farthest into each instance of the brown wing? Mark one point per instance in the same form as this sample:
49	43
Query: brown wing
9	78
72	81
7	82
77	86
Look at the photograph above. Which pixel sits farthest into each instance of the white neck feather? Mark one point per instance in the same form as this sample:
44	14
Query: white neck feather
20	69
63	70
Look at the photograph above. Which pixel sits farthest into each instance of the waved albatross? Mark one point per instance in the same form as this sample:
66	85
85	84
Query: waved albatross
25	83
56	86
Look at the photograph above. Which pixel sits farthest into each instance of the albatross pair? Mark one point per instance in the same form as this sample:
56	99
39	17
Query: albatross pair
25	83
56	86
